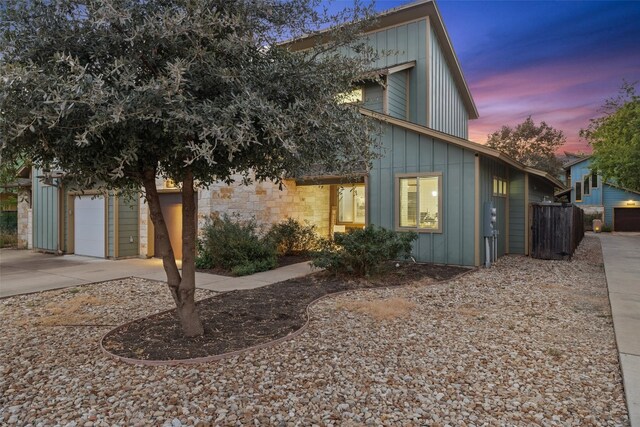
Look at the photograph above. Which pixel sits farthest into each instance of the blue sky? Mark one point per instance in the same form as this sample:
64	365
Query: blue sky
554	60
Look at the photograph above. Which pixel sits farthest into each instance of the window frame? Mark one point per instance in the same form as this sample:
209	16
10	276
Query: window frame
396	201
594	180
352	194
575	189
500	181
586	185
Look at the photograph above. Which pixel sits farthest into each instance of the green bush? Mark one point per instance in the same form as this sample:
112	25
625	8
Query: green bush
605	229
362	252
290	237
234	245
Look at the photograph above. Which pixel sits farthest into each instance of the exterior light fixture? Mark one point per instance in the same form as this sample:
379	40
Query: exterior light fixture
169	184
434	193
631	203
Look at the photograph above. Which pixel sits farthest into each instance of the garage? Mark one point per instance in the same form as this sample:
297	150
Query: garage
89	226
626	219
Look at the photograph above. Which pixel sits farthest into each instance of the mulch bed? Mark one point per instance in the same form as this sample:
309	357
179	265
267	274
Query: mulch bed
240	319
282	262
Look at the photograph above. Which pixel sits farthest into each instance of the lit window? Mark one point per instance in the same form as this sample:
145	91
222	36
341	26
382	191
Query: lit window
499	187
419	202
351	205
356	96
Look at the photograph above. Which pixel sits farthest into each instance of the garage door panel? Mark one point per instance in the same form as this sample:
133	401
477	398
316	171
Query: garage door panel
89	226
626	219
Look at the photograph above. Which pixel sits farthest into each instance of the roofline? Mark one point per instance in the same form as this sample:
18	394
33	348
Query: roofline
575	162
619	187
464	143
400	15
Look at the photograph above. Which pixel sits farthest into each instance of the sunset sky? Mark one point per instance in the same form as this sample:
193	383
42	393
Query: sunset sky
556	61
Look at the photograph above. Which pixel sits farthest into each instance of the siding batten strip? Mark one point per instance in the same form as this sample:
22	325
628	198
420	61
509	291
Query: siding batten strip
476	201
526	213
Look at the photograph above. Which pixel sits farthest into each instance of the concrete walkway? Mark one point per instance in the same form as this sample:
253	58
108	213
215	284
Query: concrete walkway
621	253
23	271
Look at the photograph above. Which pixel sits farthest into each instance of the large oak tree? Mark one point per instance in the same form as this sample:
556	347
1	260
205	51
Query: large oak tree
119	92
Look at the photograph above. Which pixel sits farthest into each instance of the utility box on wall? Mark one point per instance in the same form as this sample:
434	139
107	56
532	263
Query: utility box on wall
490	220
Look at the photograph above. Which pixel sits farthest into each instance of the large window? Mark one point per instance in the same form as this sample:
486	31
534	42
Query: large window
586	186
419	202
351	205
594	180
578	191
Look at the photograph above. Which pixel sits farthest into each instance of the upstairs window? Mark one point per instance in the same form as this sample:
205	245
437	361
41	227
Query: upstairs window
419	202
594	180
578	191
586	186
356	96
499	187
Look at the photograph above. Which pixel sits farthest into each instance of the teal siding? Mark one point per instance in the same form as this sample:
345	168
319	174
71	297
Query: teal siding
616	197
373	97
488	169
447	110
110	227
539	190
128	215
45	214
517	212
402	44
578	172
397	87
407	152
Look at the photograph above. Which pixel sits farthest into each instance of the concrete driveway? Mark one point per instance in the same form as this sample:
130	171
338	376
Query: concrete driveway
621	252
23	271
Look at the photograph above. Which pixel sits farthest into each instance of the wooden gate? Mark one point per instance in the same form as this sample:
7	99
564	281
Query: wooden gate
556	230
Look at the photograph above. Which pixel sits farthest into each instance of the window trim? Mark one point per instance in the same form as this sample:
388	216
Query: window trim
499	181
396	201
575	189
350	189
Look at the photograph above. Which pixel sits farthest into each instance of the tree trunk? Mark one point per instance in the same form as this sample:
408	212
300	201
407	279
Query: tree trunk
182	288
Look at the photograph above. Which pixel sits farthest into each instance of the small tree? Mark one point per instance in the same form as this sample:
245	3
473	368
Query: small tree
531	145
615	138
119	92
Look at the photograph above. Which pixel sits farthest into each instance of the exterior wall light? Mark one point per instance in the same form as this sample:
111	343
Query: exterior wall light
631	203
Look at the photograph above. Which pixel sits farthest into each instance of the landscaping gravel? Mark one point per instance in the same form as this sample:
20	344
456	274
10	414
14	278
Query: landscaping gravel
527	342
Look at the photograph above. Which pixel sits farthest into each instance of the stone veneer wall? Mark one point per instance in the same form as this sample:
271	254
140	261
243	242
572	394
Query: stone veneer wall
263	201
24	220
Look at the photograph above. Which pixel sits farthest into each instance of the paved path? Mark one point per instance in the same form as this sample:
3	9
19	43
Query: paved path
621	253
24	271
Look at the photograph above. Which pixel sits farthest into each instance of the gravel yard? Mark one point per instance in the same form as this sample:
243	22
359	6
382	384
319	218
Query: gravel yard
526	342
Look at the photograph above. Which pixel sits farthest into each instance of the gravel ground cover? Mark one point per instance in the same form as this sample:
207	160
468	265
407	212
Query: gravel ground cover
527	342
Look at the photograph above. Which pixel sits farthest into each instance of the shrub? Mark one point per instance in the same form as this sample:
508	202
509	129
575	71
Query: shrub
362	252
588	220
605	229
290	237
234	245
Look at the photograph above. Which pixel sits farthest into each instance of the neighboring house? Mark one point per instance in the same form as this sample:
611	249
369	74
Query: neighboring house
429	179
619	208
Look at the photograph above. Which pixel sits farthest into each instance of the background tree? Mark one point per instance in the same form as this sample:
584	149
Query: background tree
119	92
615	138
531	145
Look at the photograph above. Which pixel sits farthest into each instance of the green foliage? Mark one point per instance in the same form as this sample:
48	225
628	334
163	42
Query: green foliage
615	138
531	145
362	252
606	229
235	245
290	237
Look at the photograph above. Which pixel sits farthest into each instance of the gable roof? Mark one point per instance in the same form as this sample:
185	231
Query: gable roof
575	162
400	15
464	143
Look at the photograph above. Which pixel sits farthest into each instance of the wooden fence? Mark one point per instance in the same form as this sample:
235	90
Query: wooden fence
556	230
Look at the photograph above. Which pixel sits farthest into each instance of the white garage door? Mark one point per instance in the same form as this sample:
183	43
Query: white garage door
89	226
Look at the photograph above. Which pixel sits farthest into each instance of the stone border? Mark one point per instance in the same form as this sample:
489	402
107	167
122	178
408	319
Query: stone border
272	343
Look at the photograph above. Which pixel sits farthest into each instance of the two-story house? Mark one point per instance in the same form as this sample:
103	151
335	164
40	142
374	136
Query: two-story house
430	178
617	207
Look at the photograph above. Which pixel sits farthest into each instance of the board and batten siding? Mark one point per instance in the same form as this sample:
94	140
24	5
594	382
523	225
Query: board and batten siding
111	252
517	212
490	168
405	151
446	108
45	210
128	214
539	190
578	172
397	87
373	97
400	44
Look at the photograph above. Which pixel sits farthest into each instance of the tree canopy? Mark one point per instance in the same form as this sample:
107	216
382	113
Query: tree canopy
531	145
615	138
118	92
